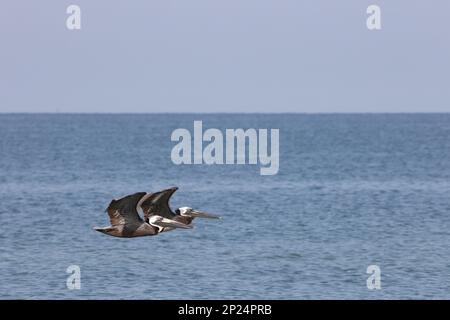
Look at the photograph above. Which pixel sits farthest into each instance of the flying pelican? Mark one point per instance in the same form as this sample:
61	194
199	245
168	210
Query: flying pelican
126	222
157	204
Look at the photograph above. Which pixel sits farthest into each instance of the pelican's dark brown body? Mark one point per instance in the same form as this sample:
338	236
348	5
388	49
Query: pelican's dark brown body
157	215
126	222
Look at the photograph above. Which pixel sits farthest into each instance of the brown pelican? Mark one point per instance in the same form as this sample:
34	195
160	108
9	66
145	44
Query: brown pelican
157	204
126	222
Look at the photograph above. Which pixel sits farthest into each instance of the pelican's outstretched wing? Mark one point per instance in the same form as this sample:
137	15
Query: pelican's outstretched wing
124	210
158	204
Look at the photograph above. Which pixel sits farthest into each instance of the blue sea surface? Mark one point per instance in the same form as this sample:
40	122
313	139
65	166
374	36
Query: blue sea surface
351	191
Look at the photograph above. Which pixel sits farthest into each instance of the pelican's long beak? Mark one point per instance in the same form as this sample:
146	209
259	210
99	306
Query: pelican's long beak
167	223
201	214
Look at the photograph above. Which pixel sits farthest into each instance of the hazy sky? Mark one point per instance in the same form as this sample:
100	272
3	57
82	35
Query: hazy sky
225	56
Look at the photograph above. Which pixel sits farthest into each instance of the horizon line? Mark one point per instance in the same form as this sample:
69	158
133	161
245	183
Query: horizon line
213	113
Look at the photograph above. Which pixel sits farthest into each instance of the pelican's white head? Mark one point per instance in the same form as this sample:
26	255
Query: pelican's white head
189	212
184	211
154	220
161	223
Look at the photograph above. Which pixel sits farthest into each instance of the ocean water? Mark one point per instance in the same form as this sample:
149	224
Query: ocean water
352	191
